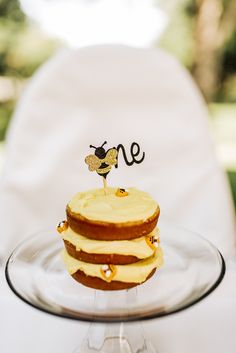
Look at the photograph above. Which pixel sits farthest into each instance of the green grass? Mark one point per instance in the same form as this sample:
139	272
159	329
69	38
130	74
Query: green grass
232	180
6	110
223	125
224	122
221	110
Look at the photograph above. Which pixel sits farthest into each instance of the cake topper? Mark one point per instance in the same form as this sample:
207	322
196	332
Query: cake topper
102	161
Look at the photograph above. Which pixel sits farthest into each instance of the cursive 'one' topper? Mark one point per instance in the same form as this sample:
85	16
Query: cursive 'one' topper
102	161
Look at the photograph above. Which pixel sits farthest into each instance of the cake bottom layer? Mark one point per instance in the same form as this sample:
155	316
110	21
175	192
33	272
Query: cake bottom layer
98	283
136	272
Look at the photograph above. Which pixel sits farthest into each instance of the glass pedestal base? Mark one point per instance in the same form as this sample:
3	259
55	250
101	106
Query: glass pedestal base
115	338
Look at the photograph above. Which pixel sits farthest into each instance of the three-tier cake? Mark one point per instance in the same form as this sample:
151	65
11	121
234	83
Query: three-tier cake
111	239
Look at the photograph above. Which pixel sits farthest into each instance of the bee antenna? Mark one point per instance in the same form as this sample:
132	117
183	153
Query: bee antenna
104	143
91	146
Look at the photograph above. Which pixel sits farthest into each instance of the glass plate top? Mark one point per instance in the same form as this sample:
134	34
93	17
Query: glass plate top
192	269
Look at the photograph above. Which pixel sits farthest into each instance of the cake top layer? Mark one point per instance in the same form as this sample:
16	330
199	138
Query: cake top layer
98	206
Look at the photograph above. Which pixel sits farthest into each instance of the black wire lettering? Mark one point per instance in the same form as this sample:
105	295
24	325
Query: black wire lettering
133	153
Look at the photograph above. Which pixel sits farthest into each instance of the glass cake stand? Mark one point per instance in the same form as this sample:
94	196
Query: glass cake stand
192	269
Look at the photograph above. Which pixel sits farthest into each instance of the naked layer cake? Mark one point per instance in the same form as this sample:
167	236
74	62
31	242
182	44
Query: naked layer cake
111	239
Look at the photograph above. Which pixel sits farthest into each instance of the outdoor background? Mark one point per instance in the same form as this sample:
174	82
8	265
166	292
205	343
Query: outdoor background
200	33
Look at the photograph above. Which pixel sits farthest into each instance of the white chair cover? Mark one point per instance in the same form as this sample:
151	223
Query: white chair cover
119	94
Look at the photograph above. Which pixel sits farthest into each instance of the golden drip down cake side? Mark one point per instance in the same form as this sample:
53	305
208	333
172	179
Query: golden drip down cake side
111	239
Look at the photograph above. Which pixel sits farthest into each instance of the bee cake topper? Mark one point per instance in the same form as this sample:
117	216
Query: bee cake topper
102	161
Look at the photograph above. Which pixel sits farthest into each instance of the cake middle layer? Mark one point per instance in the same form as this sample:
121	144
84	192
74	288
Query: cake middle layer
140	247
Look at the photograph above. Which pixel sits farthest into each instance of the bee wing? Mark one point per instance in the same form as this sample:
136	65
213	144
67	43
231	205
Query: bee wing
93	162
111	155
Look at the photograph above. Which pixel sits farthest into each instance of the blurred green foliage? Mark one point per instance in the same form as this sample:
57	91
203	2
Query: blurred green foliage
180	39
228	63
6	110
11	10
229	56
12	23
23	48
227	91
232	181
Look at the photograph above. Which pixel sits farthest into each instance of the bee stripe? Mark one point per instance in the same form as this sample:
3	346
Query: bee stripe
103	170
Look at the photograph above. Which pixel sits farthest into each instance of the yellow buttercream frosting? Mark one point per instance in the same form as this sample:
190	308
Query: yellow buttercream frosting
100	206
135	273
135	247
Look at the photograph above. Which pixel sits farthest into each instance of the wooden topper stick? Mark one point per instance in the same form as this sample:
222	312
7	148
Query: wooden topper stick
104	185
